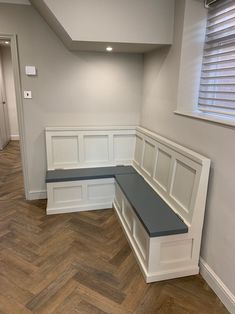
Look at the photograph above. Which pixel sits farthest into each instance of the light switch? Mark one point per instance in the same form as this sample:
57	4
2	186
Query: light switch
27	94
30	70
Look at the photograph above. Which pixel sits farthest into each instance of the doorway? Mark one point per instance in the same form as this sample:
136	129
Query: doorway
11	105
9	129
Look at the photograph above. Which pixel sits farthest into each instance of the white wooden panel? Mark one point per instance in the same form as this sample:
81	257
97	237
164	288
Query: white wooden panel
100	191
81	195
183	184
138	150
96	148
65	194
176	251
127	214
124	146
141	238
177	173
162	170
118	197
149	158
65	151
81	147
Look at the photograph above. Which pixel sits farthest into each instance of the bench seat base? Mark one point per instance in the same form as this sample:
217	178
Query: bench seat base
76	196
160	258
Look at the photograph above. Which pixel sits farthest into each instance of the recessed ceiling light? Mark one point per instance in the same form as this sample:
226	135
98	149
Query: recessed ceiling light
109	48
6	42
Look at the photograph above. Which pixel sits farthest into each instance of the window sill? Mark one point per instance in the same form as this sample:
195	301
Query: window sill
207	117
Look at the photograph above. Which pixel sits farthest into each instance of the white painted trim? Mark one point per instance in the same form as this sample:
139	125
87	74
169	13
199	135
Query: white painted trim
172	274
213	118
217	285
90	128
15	137
173	145
20	111
81	208
37	195
19	105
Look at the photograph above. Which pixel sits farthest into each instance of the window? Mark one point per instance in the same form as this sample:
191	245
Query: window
217	85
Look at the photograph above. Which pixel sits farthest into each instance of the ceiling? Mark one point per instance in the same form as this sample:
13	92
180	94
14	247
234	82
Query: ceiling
133	26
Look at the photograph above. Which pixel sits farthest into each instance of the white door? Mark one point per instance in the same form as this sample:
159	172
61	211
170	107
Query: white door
4	118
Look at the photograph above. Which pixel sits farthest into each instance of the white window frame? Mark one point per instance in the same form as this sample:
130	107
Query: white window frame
192	47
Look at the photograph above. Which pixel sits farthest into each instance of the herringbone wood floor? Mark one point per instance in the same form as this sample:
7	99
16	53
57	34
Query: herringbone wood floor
77	263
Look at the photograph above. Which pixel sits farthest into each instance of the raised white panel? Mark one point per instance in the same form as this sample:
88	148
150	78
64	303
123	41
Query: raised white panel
162	168
81	147
123	146
138	149
118	197
100	191
141	238
67	194
149	158
176	251
182	185
127	215
96	148
65	150
75	196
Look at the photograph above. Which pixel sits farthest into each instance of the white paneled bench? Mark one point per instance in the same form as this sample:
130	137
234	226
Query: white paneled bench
157	187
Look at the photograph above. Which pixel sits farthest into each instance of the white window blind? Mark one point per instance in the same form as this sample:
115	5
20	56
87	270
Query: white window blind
217	86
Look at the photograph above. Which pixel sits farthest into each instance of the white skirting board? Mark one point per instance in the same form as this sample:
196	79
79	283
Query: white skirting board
80	208
37	195
217	285
15	137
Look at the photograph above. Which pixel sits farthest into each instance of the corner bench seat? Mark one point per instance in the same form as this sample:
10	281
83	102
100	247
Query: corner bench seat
167	183
156	216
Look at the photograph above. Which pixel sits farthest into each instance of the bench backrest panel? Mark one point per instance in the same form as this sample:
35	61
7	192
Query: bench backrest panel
174	171
80	147
178	174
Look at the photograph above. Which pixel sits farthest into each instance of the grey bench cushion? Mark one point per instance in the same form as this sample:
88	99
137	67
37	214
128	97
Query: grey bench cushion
62	175
156	216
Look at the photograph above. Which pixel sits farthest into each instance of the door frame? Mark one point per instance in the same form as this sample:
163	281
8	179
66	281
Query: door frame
5	136
19	105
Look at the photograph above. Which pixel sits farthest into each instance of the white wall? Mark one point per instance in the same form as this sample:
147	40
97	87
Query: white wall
93	24
161	75
10	92
71	88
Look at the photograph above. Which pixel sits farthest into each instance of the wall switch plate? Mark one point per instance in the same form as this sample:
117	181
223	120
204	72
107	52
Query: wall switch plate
30	70
27	94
